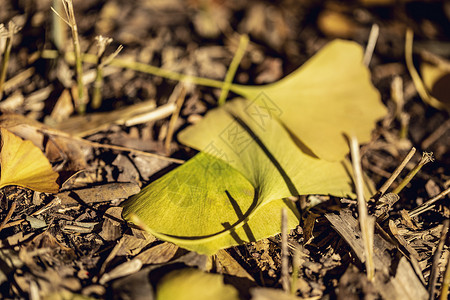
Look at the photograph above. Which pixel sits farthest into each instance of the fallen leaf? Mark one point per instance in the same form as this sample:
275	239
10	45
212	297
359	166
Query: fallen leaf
437	82
24	164
158	254
264	153
190	284
431	75
226	264
207	211
272	294
336	24
232	191
329	96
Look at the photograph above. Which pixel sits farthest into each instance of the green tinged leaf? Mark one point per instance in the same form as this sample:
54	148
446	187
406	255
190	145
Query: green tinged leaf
194	284
261	149
232	191
206	205
330	95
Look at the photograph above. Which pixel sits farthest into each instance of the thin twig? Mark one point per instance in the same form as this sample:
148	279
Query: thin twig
366	222
18	79
71	22
140	67
174	118
126	149
373	37
440	62
12	29
395	174
427	205
436	134
160	112
106	146
426	158
284	252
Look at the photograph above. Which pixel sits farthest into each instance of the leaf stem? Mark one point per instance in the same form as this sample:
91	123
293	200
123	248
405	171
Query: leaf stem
140	67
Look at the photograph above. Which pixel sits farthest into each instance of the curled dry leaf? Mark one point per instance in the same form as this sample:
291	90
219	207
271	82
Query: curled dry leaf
24	164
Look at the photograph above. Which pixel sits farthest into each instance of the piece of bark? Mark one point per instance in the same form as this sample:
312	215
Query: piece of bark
347	227
226	264
102	193
405	285
111	229
158	254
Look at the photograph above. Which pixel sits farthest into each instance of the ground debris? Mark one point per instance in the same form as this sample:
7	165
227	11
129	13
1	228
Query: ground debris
74	244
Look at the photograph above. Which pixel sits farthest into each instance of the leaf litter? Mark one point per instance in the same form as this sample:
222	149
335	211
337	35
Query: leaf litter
84	239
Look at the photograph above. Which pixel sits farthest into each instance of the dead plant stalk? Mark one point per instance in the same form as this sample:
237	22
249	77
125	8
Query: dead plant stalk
71	22
366	222
426	158
9	33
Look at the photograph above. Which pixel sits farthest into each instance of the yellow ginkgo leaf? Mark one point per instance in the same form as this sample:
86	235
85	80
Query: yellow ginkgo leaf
328	97
427	88
437	81
194	284
24	164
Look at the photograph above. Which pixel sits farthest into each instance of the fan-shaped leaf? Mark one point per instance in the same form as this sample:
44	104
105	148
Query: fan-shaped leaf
187	284
329	96
24	164
231	192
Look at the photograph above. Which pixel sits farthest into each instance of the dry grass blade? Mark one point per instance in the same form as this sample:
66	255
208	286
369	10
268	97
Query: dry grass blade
174	118
436	258
366	222
428	204
436	134
284	252
395	174
426	158
71	22
9	33
373	37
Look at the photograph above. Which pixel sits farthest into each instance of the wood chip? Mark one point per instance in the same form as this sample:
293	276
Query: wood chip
101	193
